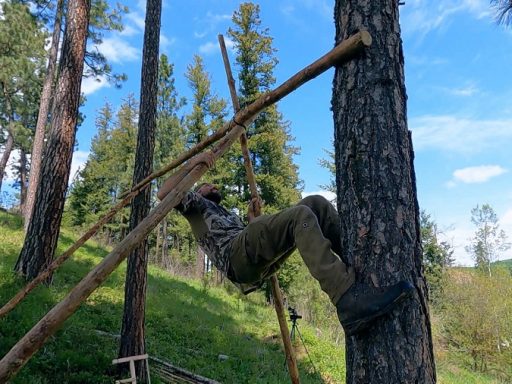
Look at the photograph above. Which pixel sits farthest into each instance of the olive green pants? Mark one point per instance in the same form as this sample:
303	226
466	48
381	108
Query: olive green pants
313	227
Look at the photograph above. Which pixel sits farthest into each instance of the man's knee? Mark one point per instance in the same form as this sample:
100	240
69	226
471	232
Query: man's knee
314	202
303	216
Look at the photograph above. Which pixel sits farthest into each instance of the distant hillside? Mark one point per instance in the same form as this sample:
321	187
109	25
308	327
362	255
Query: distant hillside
507	263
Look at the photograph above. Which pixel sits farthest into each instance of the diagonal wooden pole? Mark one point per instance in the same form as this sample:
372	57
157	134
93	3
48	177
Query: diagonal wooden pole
29	344
291	360
126	198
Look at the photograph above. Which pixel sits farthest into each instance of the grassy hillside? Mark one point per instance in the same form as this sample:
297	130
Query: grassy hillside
505	263
188	324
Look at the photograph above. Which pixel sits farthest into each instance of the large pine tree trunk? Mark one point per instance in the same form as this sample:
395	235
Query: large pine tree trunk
43	230
132	332
376	192
42	117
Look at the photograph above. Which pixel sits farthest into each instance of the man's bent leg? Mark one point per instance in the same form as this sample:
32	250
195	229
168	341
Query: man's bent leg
269	238
328	220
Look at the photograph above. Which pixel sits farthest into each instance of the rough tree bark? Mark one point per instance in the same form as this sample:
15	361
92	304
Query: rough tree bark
42	117
132	332
43	230
377	200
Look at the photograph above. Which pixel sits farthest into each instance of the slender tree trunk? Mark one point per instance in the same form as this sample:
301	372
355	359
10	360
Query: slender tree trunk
165	240
9	144
132	332
376	191
23	179
200	263
44	227
42	117
157	244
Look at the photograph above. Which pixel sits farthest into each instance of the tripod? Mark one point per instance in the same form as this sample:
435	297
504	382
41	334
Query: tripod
294	316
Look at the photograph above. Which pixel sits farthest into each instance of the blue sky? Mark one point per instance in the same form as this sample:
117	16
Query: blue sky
457	61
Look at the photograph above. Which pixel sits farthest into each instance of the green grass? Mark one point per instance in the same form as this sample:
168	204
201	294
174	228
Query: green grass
186	324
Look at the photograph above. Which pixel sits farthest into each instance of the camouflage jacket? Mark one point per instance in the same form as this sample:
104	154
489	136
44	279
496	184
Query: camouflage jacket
214	228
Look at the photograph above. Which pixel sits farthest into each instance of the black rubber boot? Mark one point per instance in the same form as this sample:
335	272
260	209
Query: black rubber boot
357	311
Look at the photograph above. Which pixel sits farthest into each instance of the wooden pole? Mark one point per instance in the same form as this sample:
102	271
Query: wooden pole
291	360
19	354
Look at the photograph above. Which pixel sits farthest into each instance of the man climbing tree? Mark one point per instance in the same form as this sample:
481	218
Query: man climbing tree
376	195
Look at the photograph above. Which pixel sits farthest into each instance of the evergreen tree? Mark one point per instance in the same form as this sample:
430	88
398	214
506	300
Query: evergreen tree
208	110
207	115
108	170
43	231
21	61
503	10
102	18
489	240
170	143
437	256
269	137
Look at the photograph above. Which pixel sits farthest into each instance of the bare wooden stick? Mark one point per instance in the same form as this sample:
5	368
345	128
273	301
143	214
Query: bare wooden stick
291	360
19	354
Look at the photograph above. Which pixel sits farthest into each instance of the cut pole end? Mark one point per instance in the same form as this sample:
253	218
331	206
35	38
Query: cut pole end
366	38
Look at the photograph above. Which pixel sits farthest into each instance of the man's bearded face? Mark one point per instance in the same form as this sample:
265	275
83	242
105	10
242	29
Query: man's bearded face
210	192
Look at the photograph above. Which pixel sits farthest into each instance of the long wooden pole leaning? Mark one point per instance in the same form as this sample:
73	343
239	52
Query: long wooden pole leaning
291	360
19	354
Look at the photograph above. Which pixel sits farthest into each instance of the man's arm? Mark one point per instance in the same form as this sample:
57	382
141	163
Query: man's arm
254	209
206	157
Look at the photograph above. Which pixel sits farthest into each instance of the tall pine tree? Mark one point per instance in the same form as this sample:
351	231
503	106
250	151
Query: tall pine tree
43	231
269	136
170	142
377	200
133	327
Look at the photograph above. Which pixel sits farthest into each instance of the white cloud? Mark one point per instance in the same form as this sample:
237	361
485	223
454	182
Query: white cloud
328	195
421	16
117	50
136	19
479	174
459	135
212	47
457	237
128	31
288	10
469	90
166	42
209	23
91	84
77	163
507	218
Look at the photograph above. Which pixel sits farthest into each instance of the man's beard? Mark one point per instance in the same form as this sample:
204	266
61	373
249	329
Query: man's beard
215	197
